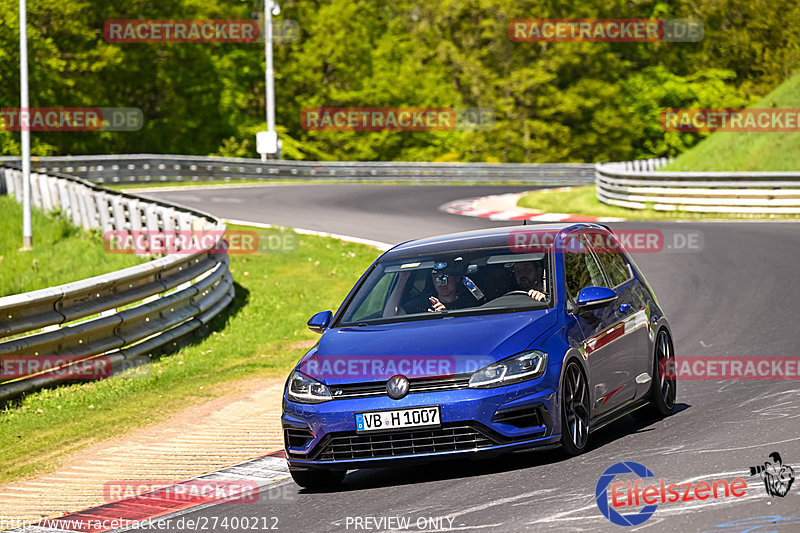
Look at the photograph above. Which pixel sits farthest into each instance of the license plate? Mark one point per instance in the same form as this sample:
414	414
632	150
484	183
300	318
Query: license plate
400	418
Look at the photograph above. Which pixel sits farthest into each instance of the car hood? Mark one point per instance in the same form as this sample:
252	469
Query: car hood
423	348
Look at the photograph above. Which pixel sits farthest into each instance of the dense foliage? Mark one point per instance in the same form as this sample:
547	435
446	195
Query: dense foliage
553	101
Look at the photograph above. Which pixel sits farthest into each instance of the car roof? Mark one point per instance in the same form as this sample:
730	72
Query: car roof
477	239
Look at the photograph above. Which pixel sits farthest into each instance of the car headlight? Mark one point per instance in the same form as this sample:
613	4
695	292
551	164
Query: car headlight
304	389
520	367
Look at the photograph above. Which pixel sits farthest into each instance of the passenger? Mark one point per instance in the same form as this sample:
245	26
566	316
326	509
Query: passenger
450	291
450	294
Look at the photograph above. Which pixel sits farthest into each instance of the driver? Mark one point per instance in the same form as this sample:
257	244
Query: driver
529	278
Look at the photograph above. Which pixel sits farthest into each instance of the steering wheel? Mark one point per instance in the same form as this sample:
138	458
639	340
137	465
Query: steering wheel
516	292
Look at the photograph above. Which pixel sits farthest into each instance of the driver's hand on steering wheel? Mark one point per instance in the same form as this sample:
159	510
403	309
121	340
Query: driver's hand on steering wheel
536	295
436	305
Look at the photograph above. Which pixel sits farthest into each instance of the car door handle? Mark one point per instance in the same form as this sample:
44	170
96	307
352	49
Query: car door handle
624	308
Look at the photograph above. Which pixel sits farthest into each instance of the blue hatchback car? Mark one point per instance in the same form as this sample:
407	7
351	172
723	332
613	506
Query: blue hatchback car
481	342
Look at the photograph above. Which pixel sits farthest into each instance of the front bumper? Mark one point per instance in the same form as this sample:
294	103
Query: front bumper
475	422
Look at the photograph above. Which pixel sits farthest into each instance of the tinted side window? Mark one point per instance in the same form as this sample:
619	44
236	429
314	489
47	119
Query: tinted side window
373	304
615	265
581	269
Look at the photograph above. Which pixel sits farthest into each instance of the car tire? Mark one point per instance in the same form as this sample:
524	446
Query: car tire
574	410
662	388
317	479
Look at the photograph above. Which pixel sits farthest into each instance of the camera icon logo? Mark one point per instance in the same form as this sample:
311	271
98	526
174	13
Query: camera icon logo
777	477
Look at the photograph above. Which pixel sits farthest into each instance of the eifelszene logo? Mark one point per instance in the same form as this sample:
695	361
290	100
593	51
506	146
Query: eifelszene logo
777	477
613	497
601	494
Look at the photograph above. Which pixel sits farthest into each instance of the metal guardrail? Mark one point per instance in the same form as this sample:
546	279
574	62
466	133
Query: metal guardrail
638	184
149	309
143	168
125	316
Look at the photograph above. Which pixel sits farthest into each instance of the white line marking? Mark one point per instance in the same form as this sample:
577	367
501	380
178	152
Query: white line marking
375	244
722	450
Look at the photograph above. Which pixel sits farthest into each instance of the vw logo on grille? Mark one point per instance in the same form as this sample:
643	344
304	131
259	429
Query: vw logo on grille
397	387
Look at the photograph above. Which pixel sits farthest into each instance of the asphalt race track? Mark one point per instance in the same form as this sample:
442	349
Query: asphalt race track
384	213
739	296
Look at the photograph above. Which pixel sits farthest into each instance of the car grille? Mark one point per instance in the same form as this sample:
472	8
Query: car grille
409	442
525	416
364	390
297	437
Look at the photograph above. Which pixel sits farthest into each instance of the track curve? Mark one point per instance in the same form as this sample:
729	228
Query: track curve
736	297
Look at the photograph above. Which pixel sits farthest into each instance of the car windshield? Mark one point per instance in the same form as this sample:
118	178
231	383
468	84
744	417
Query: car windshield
456	283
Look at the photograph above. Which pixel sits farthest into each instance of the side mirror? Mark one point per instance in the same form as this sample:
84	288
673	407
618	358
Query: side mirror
320	321
594	297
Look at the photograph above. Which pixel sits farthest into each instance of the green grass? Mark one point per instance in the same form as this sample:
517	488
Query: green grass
258	337
582	201
61	252
734	151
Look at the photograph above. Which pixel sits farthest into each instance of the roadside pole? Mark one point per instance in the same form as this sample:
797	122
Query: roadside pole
27	230
267	143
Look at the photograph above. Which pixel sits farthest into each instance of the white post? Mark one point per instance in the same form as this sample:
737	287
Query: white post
270	75
27	231
267	142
